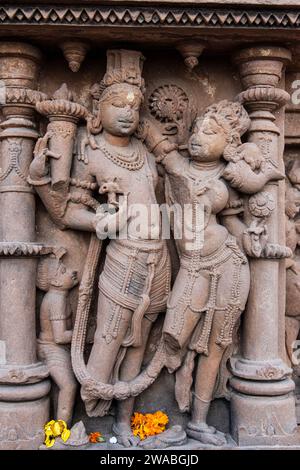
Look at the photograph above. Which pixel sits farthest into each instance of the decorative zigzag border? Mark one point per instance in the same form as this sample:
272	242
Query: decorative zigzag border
172	16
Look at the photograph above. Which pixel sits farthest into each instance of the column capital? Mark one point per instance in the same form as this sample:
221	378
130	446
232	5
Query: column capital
261	65
19	70
261	69
19	64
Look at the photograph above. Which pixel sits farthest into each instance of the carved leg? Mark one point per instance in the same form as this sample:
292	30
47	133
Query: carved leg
105	350
65	380
130	368
180	320
292	326
207	371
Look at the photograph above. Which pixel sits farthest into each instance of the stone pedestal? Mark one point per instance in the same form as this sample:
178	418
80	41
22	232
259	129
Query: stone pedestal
23	380
263	405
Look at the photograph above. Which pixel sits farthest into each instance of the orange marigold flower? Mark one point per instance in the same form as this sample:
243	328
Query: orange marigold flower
95	437
149	424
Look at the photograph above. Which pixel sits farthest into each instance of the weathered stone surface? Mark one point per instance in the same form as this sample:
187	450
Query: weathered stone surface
200	322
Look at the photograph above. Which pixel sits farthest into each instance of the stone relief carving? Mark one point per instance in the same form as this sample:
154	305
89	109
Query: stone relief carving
205	305
113	159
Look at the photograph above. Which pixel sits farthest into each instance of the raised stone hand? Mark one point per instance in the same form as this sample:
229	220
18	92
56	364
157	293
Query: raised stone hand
110	220
255	243
255	239
156	142
39	167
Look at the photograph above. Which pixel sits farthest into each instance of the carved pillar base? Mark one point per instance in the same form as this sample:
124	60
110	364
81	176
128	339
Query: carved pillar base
22	420
266	419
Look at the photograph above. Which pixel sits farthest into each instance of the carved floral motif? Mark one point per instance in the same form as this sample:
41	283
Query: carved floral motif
270	372
168	103
261	204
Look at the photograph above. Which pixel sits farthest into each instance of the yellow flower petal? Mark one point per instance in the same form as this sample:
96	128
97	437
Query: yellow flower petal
62	424
65	434
49	425
56	429
50	422
49	441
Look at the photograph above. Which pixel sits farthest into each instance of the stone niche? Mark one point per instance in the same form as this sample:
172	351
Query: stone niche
183	104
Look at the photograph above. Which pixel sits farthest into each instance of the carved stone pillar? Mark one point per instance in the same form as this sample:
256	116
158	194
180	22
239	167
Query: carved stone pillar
24	404
263	407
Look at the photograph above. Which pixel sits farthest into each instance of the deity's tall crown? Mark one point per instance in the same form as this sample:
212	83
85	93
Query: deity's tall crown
123	66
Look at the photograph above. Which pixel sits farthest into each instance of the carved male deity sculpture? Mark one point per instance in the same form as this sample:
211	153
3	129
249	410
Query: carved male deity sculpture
134	283
212	285
54	278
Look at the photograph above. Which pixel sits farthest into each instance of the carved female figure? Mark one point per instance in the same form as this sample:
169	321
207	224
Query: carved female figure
212	285
292	208
134	283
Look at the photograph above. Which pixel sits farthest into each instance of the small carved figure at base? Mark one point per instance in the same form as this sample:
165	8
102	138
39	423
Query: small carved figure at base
56	333
172	437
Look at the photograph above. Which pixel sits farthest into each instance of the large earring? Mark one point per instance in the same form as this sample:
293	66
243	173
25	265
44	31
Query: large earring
230	153
94	125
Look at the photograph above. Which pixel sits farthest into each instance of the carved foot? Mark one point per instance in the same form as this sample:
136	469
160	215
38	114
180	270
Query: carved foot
206	434
124	434
175	436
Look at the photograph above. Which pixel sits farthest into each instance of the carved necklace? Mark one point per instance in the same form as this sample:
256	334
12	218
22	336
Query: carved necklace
133	161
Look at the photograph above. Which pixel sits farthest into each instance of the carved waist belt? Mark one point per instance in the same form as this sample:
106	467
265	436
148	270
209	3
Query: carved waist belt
141	245
222	254
228	251
55	355
137	279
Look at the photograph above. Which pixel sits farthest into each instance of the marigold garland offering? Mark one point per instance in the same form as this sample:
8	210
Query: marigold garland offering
149	424
54	429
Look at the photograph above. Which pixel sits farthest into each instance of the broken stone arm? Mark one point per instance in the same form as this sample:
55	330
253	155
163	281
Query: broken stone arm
60	332
64	213
235	226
